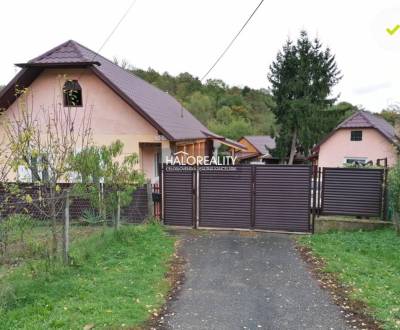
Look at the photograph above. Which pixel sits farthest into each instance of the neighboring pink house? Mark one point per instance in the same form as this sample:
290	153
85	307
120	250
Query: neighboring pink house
147	120
361	138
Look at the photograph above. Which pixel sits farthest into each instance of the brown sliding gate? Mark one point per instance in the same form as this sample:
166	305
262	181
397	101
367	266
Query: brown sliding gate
225	197
282	198
273	197
352	191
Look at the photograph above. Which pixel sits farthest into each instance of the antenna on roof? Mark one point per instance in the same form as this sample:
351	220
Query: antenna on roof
181	111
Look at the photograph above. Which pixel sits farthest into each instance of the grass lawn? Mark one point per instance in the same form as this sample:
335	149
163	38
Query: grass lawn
370	263
116	281
36	243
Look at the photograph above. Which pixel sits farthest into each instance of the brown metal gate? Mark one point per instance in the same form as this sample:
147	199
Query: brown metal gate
272	197
178	187
269	197
282	198
352	191
225	197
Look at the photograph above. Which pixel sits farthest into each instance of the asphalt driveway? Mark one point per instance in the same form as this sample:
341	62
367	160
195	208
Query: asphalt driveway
248	281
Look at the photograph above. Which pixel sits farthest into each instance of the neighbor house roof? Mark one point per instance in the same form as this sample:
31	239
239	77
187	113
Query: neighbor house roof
232	143
262	143
163	111
364	119
241	155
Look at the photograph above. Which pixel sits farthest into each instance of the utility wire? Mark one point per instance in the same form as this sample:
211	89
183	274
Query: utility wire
114	29
232	41
109	36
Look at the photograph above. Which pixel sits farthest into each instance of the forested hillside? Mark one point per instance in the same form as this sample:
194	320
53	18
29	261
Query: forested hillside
229	111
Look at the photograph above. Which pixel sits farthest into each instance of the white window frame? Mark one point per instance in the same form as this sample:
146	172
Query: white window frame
24	174
362	160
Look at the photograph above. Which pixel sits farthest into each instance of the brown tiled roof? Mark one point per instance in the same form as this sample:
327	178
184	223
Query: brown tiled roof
163	111
263	143
68	52
365	119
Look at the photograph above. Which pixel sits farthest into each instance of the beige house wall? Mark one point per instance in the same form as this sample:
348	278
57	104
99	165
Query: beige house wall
148	162
111	117
338	147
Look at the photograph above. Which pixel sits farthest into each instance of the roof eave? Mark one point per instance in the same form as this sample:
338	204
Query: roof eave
57	65
22	79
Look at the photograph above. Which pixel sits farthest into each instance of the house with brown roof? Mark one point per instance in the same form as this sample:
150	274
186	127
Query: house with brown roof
362	138
147	120
258	148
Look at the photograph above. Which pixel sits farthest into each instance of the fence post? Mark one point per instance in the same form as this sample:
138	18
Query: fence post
314	196
253	169
150	203
194	198
118	220
161	185
319	190
66	229
385	193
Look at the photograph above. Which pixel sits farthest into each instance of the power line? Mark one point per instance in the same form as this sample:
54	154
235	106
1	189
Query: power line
115	28
233	40
110	35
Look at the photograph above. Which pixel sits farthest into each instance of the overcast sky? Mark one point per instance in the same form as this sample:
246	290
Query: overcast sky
187	35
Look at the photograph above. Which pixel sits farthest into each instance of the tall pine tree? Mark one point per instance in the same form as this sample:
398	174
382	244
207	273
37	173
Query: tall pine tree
302	78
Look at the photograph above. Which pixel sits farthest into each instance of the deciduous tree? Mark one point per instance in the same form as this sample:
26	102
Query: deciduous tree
42	139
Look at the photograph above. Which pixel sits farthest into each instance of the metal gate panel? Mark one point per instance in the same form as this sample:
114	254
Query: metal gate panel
225	197
283	198
178	196
352	191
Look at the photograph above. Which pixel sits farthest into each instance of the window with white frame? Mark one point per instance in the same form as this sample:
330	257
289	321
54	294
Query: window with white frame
355	160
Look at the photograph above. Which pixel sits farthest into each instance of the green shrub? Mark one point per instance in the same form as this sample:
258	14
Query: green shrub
394	195
21	223
90	217
14	227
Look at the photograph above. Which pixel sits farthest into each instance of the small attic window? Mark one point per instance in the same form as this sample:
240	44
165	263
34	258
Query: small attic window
356	136
72	94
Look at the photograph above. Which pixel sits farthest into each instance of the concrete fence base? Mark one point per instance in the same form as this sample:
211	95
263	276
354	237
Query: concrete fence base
326	224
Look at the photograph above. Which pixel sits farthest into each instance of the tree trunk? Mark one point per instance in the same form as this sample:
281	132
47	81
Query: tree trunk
66	231
293	148
53	218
